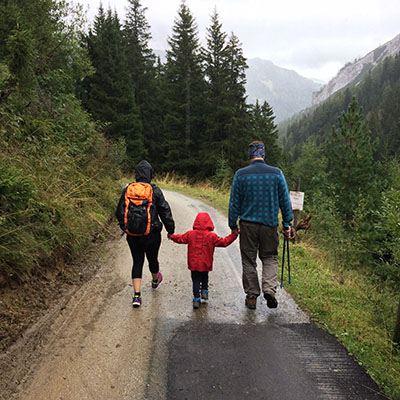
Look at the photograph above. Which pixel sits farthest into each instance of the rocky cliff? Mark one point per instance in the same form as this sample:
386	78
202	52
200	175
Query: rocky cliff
354	72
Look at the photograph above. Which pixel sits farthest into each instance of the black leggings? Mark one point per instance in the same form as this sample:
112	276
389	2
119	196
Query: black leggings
200	282
141	245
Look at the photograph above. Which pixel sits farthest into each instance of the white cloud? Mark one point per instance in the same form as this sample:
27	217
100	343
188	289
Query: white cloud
309	36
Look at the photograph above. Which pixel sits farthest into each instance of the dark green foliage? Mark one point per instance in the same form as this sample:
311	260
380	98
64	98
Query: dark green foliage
350	153
141	67
311	167
109	92
388	221
352	195
218	110
56	171
223	174
184	89
378	94
265	129
239	124
228	129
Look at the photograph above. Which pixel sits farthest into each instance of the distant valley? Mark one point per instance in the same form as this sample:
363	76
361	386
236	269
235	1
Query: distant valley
285	90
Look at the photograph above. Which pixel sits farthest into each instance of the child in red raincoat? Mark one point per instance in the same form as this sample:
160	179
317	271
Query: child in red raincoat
201	244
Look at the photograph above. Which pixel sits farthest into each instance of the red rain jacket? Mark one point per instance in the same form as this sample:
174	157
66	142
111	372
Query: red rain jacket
202	242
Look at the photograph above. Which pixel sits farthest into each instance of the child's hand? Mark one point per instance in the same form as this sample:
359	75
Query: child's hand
169	236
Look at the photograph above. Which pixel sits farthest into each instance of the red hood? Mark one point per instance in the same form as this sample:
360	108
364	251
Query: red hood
203	221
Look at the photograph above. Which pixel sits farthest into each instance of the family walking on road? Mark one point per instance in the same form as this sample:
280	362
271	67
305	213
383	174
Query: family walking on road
258	192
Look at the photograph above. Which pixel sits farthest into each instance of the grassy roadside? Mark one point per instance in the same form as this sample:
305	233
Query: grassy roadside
350	304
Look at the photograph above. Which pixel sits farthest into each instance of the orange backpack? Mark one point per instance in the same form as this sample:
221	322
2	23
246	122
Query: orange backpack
138	200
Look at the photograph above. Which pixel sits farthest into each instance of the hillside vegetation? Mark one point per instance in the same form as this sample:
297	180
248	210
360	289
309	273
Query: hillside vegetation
378	94
347	153
56	168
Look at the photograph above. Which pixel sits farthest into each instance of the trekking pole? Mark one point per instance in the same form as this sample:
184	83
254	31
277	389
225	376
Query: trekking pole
288	261
283	261
285	249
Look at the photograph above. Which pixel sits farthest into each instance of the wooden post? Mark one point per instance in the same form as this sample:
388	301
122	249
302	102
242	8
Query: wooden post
396	337
296	212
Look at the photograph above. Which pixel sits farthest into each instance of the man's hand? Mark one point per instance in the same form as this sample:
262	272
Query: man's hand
169	236
288	232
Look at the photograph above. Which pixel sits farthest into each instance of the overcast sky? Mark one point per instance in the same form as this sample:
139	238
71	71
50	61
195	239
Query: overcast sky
313	37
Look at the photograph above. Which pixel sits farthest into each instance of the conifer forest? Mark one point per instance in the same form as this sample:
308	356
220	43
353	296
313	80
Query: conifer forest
78	106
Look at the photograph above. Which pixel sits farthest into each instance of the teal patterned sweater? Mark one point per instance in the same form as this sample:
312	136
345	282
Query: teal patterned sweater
258	192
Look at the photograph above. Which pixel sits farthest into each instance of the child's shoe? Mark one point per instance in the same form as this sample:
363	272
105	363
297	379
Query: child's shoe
196	302
204	294
155	284
136	301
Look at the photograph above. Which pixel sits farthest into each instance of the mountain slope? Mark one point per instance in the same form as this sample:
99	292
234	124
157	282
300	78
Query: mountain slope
379	95
285	90
353	73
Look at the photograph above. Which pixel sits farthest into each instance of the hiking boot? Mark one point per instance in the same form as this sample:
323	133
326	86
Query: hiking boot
196	302
271	300
204	294
136	301
251	302
155	284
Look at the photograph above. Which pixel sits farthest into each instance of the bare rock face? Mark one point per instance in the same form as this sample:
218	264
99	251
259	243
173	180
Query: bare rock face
352	73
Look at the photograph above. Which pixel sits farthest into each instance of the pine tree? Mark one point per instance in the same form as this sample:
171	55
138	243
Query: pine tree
140	57
109	95
218	110
351	164
238	125
264	129
184	96
39	51
141	66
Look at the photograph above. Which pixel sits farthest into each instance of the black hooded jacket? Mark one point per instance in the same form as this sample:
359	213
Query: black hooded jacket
159	208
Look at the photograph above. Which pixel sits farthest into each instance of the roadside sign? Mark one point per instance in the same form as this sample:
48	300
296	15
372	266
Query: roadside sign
297	199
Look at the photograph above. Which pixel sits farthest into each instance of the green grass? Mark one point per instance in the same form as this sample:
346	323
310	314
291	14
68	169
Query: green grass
52	206
353	305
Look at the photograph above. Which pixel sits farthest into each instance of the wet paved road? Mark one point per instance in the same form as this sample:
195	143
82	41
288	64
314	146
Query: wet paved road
98	347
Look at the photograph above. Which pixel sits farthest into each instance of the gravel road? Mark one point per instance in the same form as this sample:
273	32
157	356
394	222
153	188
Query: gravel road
97	347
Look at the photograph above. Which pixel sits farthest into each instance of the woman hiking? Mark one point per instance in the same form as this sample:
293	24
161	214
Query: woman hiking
140	208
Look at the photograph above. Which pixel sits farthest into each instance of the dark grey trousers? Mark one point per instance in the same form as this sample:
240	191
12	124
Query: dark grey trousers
256	239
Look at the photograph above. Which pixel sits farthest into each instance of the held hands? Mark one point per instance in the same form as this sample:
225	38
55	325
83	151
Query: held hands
169	236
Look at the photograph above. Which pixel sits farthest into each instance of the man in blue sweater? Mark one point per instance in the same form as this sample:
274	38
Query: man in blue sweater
258	192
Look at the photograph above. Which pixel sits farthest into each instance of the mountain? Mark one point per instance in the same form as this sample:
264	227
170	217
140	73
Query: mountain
285	90
353	72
